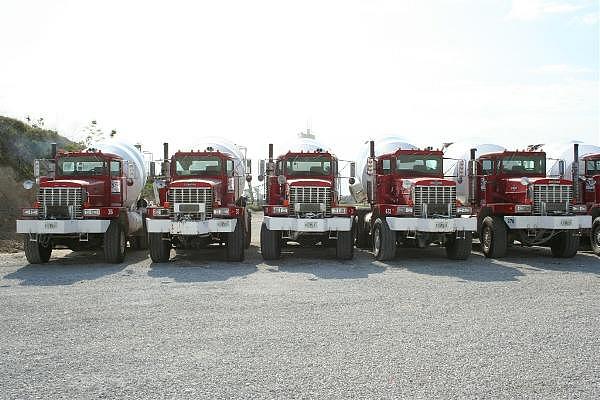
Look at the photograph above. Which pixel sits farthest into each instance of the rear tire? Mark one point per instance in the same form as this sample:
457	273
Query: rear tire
565	245
344	246
459	249
270	243
494	237
160	250
115	243
362	233
249	232
35	252
236	242
384	241
595	236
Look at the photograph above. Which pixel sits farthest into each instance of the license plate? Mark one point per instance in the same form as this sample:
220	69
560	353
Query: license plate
50	225
311	225
441	225
566	222
222	224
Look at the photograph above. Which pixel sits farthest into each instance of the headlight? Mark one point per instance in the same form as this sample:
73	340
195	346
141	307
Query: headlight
279	210
579	208
404	209
525	181
406	184
91	212
464	210
30	212
523	208
339	210
222	212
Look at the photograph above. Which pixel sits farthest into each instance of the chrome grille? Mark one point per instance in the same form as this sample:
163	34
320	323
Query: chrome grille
192	195
68	201
437	199
552	198
313	195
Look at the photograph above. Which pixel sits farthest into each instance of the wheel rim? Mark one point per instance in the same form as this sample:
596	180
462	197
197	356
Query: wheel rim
487	238
377	242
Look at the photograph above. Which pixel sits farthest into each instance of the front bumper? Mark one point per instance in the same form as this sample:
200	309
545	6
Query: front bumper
51	226
308	224
190	227
571	222
440	225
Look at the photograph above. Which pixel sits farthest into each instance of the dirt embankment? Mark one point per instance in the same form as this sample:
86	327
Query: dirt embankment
12	198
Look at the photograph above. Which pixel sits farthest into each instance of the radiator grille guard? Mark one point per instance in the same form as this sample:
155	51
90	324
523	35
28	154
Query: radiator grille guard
310	201
190	196
552	199
432	201
60	203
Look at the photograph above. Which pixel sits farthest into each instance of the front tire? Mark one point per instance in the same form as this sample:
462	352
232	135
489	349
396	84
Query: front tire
595	236
36	252
160	250
565	245
494	237
236	242
384	241
459	249
115	243
344	246
270	243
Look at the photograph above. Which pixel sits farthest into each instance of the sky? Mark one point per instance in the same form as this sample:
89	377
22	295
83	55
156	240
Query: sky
509	72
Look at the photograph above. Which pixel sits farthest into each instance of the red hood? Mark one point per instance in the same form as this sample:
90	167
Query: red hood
197	182
309	182
92	186
430	181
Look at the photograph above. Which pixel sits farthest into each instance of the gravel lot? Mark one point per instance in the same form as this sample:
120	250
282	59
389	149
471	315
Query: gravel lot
306	327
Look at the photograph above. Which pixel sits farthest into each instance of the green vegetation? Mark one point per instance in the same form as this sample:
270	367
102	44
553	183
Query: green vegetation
21	143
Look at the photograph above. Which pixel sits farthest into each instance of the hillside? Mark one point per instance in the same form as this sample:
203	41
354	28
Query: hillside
20	144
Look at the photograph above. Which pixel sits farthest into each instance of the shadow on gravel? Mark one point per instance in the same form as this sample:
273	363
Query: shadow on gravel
206	265
72	268
321	263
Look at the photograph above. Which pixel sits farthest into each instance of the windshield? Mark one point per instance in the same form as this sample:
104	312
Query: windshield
81	166
419	163
518	164
198	165
312	166
592	167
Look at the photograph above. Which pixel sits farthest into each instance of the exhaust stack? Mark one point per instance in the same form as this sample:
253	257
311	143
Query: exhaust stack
576	194
53	150
472	177
165	164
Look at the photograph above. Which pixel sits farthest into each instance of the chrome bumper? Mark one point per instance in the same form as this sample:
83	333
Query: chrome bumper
308	224
190	227
48	227
440	225
549	222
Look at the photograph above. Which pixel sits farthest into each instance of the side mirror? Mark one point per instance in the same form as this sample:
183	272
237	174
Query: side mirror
28	185
36	169
370	166
261	168
130	173
352	169
249	167
561	168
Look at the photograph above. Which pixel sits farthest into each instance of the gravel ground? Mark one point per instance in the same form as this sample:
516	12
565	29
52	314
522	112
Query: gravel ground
307	326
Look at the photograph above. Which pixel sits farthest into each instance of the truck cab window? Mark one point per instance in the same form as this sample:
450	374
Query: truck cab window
386	166
487	167
198	165
115	168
